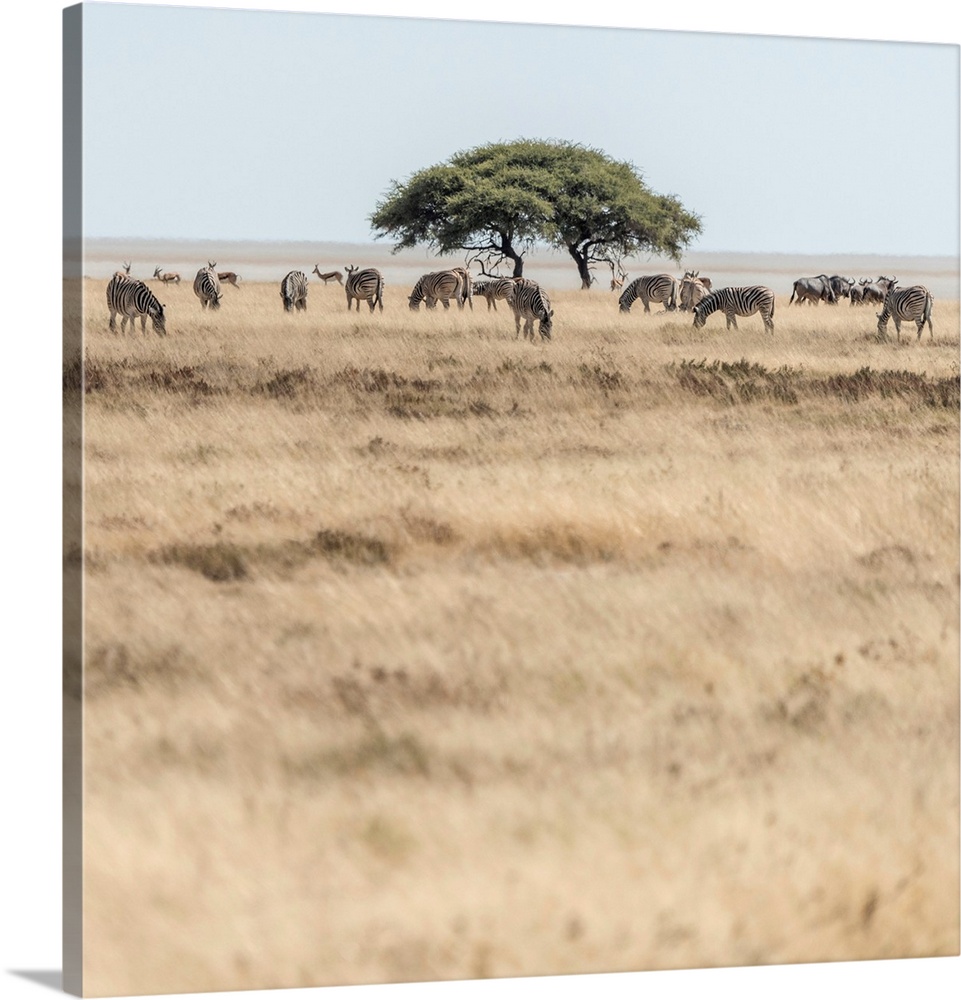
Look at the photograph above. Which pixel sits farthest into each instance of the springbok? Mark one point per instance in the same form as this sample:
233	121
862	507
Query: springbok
229	277
329	275
166	276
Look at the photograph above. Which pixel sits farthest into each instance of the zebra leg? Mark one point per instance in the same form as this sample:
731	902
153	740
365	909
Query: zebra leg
897	326
113	321
647	303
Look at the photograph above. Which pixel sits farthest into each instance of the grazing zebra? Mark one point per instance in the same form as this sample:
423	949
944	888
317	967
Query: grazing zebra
496	288
329	275
293	290
167	276
229	277
437	286
693	290
650	288
912	303
132	298
530	302
367	284
207	287
737	302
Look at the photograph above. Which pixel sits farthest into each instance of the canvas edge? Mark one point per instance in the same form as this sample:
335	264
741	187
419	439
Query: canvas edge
72	609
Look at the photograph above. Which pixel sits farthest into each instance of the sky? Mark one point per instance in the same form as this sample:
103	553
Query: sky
243	124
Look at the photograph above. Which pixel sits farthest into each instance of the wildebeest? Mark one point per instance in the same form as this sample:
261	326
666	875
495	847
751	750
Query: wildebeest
876	291
814	290
841	286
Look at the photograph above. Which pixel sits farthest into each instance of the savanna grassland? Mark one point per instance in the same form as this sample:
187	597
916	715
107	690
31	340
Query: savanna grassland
415	651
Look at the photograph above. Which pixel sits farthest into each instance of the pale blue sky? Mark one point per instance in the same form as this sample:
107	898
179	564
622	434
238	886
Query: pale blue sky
238	124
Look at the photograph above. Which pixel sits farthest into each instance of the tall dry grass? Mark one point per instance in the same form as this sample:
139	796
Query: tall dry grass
416	651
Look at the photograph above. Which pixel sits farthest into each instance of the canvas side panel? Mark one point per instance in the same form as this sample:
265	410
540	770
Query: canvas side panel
72	499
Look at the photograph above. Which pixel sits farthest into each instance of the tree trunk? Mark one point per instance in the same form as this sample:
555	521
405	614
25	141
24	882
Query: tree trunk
582	267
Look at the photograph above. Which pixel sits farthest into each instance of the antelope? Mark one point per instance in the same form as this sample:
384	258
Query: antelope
329	275
229	277
167	276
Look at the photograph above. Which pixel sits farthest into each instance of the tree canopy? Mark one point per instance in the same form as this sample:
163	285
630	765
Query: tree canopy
496	201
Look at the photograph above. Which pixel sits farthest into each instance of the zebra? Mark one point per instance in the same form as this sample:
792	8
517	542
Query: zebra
912	303
293	290
207	287
696	276
166	276
737	302
692	291
437	286
650	288
496	288
467	279
132	298
530	302
367	284
329	275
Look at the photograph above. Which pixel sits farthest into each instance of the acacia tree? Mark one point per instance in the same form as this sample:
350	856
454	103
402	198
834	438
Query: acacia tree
496	201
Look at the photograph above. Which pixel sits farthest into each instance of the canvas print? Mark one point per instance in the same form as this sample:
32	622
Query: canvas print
512	512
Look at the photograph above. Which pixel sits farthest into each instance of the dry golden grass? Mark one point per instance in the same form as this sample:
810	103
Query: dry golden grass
415	651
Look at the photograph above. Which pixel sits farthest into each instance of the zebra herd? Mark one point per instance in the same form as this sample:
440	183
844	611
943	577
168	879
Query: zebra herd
130	298
695	293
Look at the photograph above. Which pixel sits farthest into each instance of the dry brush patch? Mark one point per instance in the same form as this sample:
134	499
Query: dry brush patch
410	644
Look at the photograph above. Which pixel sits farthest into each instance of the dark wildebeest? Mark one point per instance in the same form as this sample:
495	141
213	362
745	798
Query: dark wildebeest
813	290
876	291
841	286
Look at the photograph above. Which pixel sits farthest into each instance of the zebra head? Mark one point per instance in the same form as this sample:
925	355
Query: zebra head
700	313
157	318
545	325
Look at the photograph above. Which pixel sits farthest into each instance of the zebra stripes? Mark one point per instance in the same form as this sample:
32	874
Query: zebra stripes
207	287
293	290
737	302
496	288
530	302
132	298
437	286
912	303
366	285
650	288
